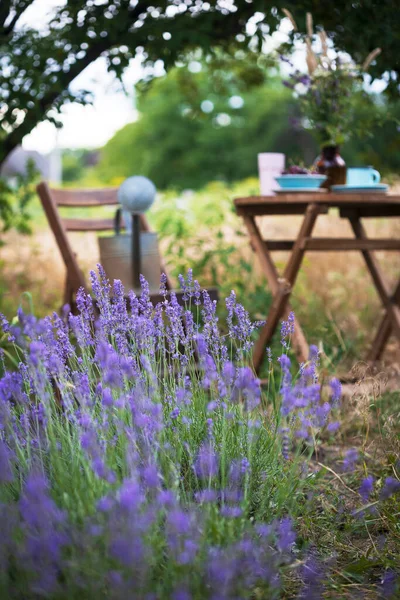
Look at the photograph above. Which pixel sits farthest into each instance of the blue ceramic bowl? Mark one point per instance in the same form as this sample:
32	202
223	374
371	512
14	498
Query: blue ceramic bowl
300	181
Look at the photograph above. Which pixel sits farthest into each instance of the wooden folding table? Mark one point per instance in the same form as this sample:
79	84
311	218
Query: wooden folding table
353	207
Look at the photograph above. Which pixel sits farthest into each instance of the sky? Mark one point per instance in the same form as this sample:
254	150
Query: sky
93	125
90	126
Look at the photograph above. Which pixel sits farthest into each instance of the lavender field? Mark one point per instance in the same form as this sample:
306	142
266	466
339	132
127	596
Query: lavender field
141	458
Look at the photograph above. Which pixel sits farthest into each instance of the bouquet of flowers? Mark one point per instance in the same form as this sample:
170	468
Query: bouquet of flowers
326	92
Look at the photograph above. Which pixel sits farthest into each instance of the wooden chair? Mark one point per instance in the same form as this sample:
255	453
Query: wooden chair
52	199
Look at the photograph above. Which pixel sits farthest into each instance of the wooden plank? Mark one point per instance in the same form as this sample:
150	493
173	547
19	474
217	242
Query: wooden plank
88	224
334	244
371	211
84	198
348	244
369	205
259	210
279	245
324	199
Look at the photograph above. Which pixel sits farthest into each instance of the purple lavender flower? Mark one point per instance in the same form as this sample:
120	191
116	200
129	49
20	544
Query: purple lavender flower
334	426
186	285
206	496
151	477
6	472
366	488
286	535
391	486
350	459
240	326
231	512
312	575
246	387
181	593
336	391
389	584
44	534
163	283
287	329
206	465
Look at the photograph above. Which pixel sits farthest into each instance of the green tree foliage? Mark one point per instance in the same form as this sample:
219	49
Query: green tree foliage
380	144
15	195
74	163
37	65
191	132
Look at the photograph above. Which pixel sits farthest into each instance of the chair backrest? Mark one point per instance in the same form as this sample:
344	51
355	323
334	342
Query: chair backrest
52	199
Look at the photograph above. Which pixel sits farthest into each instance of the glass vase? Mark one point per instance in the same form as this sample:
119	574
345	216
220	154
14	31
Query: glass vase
331	164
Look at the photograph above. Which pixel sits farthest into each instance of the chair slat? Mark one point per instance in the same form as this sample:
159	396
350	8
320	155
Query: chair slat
88	224
77	198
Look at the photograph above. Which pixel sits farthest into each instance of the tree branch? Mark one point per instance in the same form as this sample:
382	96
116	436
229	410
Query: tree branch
65	79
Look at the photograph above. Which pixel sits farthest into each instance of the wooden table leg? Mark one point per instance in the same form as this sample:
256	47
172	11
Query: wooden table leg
299	341
283	287
266	333
294	262
392	316
383	332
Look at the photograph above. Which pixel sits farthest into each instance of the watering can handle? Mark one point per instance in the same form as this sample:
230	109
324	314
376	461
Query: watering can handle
117	221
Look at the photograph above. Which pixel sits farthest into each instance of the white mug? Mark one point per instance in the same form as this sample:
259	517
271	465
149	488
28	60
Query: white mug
270	165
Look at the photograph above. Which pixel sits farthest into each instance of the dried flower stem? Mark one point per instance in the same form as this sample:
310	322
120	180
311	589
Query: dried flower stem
290	17
309	25
324	42
371	57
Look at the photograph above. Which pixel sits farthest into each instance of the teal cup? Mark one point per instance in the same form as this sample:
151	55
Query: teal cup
362	176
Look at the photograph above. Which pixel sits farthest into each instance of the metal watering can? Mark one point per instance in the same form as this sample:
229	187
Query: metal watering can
126	256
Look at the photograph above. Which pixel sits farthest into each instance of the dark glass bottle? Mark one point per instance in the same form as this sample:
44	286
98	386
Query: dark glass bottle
331	164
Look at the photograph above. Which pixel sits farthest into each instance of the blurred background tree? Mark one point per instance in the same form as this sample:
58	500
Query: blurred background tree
15	195
193	129
191	132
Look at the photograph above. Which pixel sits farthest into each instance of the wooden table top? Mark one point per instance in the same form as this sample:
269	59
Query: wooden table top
365	204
